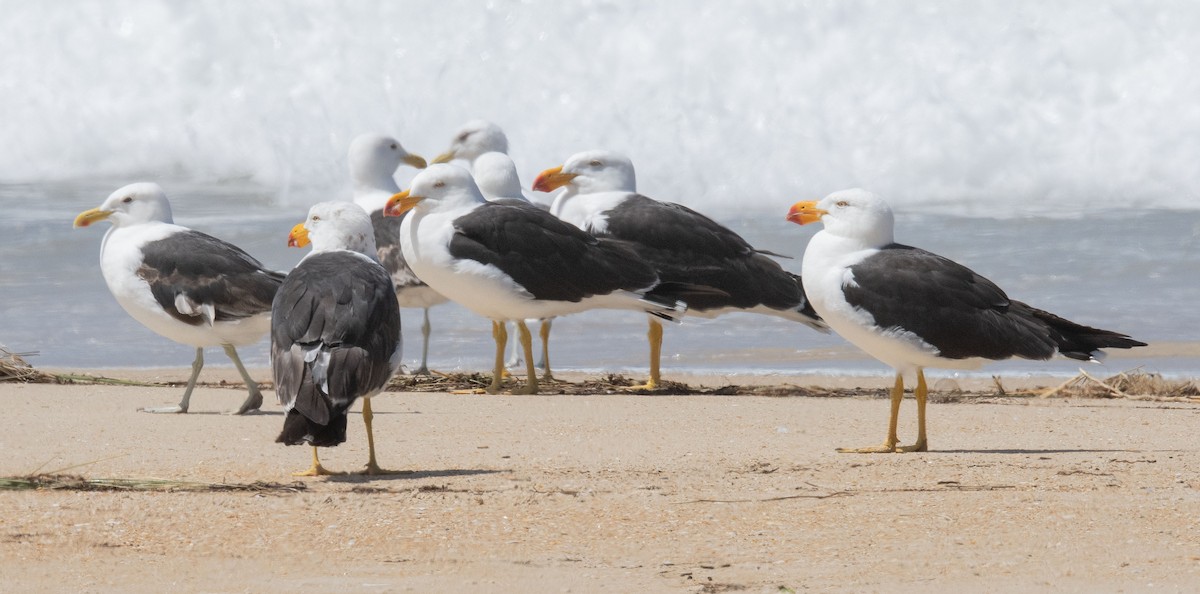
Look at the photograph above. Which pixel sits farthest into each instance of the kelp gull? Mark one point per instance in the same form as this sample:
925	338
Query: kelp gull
912	309
373	160
484	146
187	286
512	261
335	330
682	244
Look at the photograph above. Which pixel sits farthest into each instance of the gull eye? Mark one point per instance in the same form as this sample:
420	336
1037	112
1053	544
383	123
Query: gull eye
462	137
316	218
439	184
842	204
595	163
393	146
127	199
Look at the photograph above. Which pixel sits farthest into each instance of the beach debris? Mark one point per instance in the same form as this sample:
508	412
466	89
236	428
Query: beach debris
70	482
14	367
1133	384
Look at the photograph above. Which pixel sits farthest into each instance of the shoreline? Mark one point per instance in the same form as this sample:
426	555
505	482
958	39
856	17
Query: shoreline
1173	359
945	381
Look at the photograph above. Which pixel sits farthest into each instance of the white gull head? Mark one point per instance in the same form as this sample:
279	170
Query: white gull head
444	187
496	175
133	204
600	171
474	139
858	215
374	158
340	226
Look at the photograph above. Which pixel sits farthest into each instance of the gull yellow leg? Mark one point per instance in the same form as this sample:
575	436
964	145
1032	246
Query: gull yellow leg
316	469
501	335
922	393
531	380
544	332
372	466
890	444
655	336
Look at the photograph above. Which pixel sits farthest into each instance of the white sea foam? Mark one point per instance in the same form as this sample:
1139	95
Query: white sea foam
987	108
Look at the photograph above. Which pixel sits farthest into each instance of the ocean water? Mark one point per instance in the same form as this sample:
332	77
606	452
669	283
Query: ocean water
1133	272
1050	146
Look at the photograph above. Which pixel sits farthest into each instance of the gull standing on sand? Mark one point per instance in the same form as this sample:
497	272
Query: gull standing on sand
484	146
497	178
335	331
513	261
185	285
912	309
374	159
681	244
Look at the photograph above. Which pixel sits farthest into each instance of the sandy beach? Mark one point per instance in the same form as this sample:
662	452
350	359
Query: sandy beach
604	493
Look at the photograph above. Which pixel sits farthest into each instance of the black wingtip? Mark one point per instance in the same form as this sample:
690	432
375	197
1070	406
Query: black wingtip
1088	348
1084	342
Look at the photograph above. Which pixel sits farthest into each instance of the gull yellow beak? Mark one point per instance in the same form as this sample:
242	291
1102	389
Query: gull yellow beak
298	237
415	160
445	157
401	203
805	212
88	217
552	179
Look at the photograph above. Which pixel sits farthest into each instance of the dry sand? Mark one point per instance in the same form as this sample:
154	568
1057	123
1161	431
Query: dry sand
606	493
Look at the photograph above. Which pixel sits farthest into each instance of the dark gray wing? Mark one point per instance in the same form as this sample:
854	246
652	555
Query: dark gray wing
686	246
551	259
335	326
947	305
199	279
387	244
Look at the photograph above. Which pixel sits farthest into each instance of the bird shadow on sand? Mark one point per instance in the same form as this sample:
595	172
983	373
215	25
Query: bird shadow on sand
1048	451
220	413
275	413
405	475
